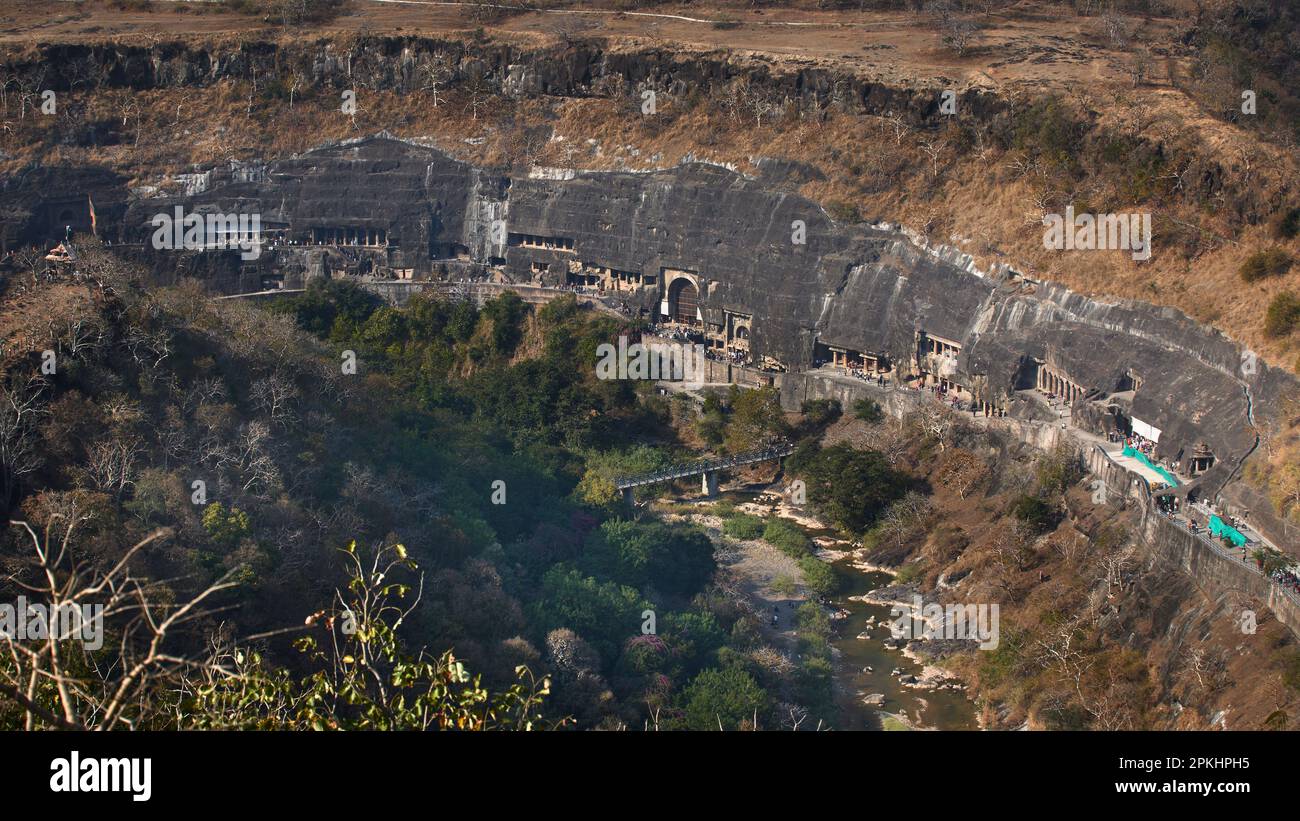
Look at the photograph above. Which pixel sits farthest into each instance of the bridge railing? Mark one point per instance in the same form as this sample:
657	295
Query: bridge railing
706	466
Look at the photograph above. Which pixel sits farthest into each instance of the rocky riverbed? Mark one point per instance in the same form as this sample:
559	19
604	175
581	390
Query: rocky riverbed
880	682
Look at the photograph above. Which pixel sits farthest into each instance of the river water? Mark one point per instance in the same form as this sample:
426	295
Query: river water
937	709
864	666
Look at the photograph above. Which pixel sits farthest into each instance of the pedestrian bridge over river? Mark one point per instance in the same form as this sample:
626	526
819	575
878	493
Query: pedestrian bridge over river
708	469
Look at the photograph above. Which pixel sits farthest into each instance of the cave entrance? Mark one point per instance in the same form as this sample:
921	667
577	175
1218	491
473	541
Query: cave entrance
684	302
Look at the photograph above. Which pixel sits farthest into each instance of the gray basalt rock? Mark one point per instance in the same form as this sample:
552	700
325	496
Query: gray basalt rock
858	287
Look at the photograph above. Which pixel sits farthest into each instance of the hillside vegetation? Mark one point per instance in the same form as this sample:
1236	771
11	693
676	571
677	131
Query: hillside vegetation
223	454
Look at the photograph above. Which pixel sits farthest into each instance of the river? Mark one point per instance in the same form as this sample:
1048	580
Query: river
864	666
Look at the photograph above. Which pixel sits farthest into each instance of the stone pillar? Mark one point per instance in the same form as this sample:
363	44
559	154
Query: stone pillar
709	484
628	501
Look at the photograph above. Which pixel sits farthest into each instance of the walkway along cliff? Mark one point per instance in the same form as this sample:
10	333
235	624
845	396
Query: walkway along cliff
768	281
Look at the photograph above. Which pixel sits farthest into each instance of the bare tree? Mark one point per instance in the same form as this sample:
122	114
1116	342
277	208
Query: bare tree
1117	28
897	124
1116	569
58	681
8	82
111	462
957	31
933	419
933	149
128	110
903	518
20	453
29	88
435	71
570	28
276	396
297	81
478	92
1058	651
1140	65
962	471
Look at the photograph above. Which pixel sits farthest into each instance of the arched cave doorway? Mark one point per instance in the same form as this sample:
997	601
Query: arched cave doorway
683	301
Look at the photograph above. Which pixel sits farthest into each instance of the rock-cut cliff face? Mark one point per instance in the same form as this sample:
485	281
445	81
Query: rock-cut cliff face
747	252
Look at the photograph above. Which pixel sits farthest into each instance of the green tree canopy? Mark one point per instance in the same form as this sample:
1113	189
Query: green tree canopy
727	697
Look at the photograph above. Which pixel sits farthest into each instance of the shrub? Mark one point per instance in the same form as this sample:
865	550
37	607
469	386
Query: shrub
1287	224
225	527
848	487
818	413
819	576
743	526
1270	262
1059	470
845	212
727	698
785	585
1291	672
1283	315
787	537
907	574
869	411
724	509
1035	512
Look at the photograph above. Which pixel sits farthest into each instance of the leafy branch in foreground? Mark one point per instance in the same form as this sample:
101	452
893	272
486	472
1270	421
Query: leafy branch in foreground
363	679
360	676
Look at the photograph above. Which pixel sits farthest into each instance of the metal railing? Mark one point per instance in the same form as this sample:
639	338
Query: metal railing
1204	536
707	466
1225	553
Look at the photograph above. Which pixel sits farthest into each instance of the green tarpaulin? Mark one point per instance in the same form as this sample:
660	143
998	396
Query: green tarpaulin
1142	457
1220	529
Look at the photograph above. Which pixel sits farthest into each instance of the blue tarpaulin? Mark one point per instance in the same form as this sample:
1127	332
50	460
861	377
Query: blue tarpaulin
1142	457
1221	529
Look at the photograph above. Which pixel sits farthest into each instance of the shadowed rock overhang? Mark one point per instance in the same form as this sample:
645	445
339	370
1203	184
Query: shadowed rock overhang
855	287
